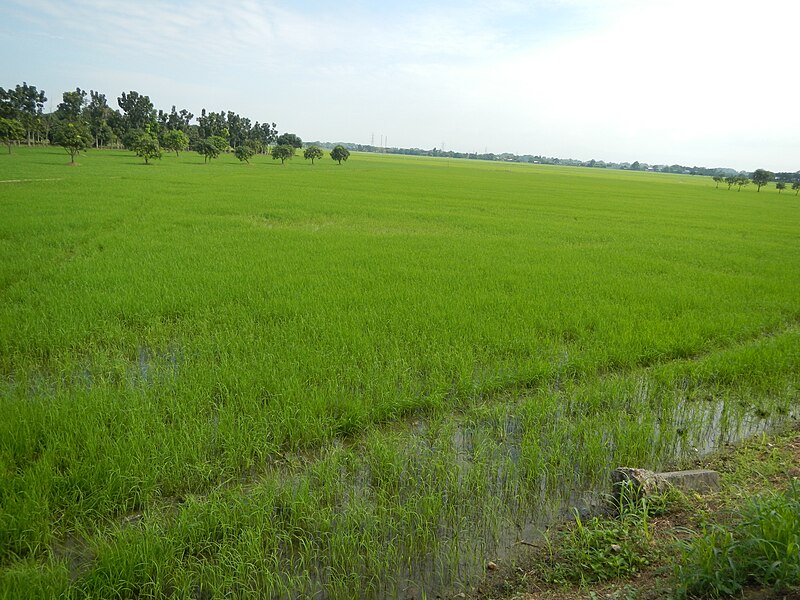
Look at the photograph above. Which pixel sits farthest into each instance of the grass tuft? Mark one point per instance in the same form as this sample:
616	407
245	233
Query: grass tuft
762	548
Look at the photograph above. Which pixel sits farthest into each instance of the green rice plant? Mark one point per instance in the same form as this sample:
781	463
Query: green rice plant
277	370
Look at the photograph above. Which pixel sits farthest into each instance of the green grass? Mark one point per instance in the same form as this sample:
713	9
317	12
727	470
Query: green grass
224	349
761	548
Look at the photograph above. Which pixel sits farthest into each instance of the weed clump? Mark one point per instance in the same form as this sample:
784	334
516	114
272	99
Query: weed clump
604	548
763	549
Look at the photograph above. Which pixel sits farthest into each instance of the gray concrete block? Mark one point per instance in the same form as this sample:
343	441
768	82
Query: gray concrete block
696	480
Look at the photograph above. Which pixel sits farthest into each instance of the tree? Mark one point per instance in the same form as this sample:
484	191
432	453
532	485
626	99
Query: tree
796	187
11	130
139	111
75	137
145	144
220	142
175	120
175	140
213	124
282	151
312	152
731	180
212	147
340	153
97	113
24	103
780	186
71	106
265	134
742	181
761	177
289	139
207	149
718	179
244	153
238	129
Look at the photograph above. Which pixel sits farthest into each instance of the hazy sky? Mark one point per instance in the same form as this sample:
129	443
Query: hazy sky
705	82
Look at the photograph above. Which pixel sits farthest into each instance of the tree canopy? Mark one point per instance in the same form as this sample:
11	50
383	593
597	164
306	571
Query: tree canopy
761	177
74	137
25	104
72	105
244	153
742	181
313	152
212	147
138	109
11	131
290	139
146	145
282	152
175	140
340	153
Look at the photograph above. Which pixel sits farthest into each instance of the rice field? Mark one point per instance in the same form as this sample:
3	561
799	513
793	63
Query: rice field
360	381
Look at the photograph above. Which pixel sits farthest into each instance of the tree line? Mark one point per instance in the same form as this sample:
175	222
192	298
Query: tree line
760	178
723	172
83	120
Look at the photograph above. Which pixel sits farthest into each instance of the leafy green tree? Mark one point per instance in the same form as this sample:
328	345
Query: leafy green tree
780	186
212	147
213	124
220	142
175	120
742	181
238	129
145	144
139	112
718	179
244	152
74	137
761	177
289	139
282	152
796	187
207	149
71	106
340	153
175	141
98	113
265	134
731	180
11	131
24	103
313	152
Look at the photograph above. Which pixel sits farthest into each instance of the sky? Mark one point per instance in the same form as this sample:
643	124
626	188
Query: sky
694	82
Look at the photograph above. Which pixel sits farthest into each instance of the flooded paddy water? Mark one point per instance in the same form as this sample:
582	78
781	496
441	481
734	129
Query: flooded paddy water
414	509
418	511
411	509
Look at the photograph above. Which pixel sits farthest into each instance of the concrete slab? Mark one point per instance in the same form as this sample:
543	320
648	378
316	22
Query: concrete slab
697	480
